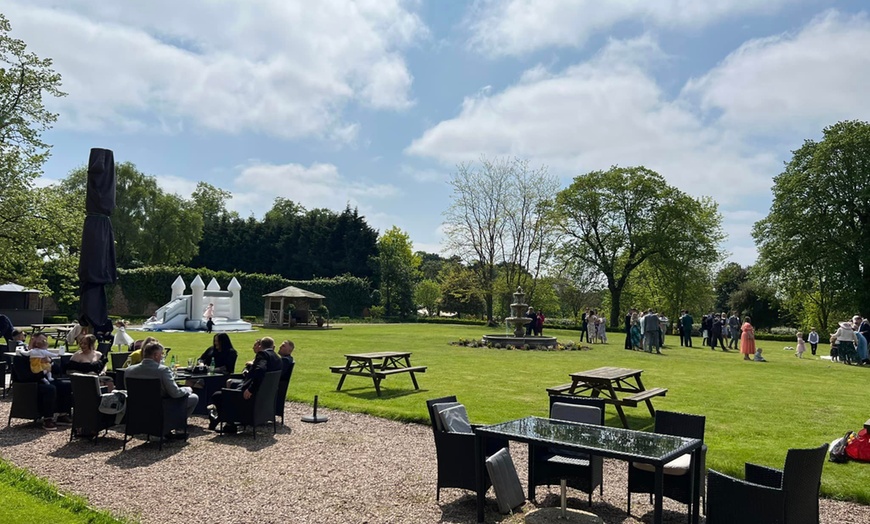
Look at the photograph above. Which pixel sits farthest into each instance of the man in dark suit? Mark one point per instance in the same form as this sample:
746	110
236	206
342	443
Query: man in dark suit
686	322
628	328
265	360
285	351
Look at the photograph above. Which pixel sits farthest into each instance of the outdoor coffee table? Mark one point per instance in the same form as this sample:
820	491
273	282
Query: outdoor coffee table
377	366
655	449
607	383
210	384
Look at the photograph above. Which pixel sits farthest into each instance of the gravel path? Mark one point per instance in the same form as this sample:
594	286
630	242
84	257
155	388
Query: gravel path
353	469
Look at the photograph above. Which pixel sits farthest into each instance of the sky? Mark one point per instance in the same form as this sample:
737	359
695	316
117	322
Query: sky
373	103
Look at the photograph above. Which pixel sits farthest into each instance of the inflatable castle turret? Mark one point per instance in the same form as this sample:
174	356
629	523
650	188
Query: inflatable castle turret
188	312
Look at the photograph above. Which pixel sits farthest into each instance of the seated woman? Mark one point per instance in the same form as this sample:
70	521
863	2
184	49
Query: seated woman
90	361
136	355
223	353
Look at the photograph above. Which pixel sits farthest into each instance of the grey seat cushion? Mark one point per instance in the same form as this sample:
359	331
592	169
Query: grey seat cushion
505	481
455	419
574	413
438	408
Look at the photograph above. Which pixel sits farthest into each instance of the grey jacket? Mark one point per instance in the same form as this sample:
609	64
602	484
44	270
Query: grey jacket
148	368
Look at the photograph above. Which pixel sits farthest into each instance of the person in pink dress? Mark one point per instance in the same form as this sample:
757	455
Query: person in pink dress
801	346
747	339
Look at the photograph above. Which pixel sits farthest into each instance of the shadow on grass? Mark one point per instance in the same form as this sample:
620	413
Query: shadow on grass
370	394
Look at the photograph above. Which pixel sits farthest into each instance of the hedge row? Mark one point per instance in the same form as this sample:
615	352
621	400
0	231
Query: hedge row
345	295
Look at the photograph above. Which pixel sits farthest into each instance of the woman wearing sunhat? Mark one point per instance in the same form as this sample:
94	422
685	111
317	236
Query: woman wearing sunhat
847	342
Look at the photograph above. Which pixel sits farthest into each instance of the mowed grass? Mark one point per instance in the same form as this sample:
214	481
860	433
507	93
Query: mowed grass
755	411
27	499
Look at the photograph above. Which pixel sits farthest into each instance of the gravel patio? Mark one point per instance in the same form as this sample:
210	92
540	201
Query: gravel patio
354	469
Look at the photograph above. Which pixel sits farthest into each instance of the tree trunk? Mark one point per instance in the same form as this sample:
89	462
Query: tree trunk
488	299
615	297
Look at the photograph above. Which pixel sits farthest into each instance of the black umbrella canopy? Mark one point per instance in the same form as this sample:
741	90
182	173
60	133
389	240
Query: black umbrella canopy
97	258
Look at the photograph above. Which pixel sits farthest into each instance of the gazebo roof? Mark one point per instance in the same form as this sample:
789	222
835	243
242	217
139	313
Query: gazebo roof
293	292
9	287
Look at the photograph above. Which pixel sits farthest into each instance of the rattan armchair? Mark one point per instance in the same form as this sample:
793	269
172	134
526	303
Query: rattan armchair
768	495
456	456
548	466
677	484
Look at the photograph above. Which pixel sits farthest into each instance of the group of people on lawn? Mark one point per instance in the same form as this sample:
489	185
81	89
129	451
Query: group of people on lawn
147	361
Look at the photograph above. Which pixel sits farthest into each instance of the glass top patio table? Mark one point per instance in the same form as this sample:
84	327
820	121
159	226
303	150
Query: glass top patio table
626	444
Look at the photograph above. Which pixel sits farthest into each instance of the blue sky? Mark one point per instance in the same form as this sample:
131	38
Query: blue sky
373	103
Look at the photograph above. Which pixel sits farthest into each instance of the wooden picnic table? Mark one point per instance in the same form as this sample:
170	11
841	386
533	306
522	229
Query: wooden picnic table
607	383
377	366
56	331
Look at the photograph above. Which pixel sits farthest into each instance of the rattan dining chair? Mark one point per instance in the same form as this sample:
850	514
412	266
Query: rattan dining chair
768	495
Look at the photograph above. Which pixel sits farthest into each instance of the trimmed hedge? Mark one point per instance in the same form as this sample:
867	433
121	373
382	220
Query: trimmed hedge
346	295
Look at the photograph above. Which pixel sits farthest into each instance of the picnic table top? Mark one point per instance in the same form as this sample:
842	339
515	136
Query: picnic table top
606	373
377	355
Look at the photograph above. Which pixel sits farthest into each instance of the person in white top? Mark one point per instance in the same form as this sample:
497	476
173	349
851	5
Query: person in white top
813	339
847	342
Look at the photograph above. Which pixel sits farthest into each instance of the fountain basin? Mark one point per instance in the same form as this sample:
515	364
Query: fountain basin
510	340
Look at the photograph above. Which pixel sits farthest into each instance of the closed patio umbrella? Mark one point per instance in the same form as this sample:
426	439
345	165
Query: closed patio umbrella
97	258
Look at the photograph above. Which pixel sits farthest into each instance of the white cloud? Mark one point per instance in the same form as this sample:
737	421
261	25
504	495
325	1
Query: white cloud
175	184
276	67
319	185
800	82
595	114
511	27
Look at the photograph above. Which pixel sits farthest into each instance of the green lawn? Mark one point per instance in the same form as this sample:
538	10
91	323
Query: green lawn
28	499
755	411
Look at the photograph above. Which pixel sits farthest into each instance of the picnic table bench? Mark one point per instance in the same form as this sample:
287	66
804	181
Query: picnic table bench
377	366
607	383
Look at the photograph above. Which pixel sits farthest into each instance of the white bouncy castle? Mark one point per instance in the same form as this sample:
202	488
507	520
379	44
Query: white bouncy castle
191	312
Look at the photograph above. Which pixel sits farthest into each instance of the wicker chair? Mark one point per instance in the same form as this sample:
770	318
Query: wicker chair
235	409
25	391
455	454
149	413
87	419
548	466
281	395
769	496
677	485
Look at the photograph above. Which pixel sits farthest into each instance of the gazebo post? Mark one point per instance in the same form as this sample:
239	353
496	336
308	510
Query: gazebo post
281	315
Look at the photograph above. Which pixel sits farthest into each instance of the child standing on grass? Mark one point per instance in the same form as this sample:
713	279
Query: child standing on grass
813	339
801	347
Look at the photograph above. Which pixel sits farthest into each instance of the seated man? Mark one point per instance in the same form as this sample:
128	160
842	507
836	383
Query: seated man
53	396
264	361
285	351
150	367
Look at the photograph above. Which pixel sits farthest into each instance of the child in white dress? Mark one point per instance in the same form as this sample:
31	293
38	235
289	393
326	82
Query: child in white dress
801	347
121	337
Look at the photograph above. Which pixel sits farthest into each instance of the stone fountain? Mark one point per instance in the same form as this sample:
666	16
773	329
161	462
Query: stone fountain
519	320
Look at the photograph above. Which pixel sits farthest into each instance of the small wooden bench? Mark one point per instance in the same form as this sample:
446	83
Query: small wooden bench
646	394
556	390
414	369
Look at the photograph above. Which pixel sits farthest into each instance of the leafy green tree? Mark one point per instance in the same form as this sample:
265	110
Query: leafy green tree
460	292
498	216
40	228
151	227
398	271
727	281
758	300
816	239
615	220
426	294
432	264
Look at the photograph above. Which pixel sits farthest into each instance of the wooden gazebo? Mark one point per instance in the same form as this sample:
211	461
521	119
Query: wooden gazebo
304	303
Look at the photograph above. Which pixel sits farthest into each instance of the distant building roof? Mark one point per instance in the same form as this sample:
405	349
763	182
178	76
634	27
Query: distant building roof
9	287
293	292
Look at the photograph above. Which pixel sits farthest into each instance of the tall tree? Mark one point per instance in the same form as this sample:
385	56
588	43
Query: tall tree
616	220
398	271
35	224
816	238
426	295
497	216
727	281
151	226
